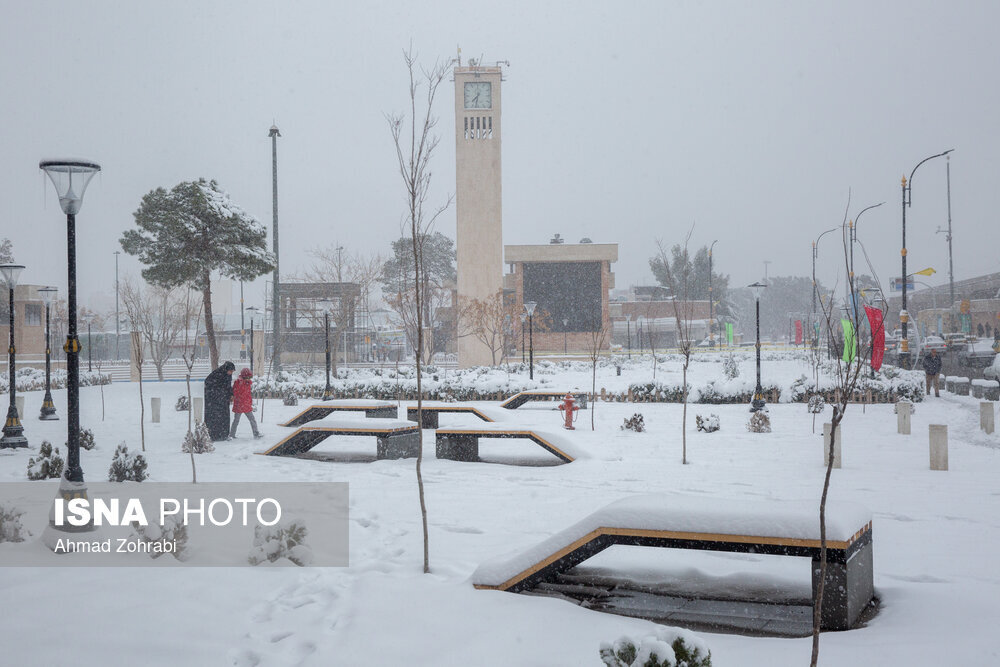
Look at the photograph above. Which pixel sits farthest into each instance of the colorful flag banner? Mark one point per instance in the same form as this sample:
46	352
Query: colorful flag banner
798	332
878	336
850	342
729	332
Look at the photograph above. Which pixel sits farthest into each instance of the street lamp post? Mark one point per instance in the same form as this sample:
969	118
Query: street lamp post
253	311
565	324
628	329
815	254
325	306
118	316
530	308
951	264
711	298
758	393
48	411
70	178
852	228
524	318
13	431
907	187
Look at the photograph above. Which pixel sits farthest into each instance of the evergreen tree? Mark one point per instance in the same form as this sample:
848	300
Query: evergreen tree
185	234
6	252
682	263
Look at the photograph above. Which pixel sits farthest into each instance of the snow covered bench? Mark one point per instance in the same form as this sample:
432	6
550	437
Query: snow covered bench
988	390
432	410
462	444
371	408
519	399
679	522
396	438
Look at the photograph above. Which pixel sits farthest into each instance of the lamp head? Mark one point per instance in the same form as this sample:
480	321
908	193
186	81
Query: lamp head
70	179
758	289
324	306
530	307
48	295
11	272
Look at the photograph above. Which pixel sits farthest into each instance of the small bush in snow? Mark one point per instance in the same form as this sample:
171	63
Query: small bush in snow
284	540
182	404
48	465
816	404
635	423
730	367
198	441
291	398
709	424
86	439
655	651
11	529
759	422
895	407
169	531
126	467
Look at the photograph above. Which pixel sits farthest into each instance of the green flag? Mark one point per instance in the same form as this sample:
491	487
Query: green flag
729	332
850	342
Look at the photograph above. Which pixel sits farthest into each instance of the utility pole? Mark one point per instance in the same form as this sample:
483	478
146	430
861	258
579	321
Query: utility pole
117	314
951	264
766	262
276	299
243	333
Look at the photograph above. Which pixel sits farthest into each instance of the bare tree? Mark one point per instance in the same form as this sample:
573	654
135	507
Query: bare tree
154	312
596	342
133	302
679	281
491	322
849	369
415	144
191	307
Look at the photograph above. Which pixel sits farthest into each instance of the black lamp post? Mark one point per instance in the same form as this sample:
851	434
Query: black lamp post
530	307
48	407
253	311
565	324
904	344
758	393
524	317
325	306
13	432
628	330
70	178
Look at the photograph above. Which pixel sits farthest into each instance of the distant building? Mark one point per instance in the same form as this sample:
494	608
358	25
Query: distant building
29	326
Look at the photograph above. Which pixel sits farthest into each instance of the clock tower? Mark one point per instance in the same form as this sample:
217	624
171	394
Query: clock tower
478	238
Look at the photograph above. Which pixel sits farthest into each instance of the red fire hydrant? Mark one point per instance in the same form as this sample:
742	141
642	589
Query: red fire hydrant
569	408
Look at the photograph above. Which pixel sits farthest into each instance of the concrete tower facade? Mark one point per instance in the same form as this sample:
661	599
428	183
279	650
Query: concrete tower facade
478	239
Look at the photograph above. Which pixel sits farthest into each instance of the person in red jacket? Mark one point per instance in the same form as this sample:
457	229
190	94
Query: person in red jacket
243	403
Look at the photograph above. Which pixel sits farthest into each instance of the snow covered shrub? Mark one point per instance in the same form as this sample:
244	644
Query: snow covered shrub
759	422
126	467
284	540
730	367
198	441
656	651
709	424
816	404
11	529
170	530
182	404
635	423
290	398
86	439
48	465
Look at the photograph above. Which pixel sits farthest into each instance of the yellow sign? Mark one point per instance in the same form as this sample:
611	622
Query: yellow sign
925	272
965	307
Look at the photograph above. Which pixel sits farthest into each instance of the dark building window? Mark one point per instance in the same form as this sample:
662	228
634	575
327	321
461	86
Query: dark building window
32	315
566	291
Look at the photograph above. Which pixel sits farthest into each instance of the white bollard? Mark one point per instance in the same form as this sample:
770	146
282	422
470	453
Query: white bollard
836	445
19	404
939	446
903	417
154	404
986	416
199	406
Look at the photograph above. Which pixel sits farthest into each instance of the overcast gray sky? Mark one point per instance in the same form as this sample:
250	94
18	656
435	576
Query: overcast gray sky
623	122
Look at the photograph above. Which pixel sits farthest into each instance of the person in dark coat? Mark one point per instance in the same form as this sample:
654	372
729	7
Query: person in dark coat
932	367
218	395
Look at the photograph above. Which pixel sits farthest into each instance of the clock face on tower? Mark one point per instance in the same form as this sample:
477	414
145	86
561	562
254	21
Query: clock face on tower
478	95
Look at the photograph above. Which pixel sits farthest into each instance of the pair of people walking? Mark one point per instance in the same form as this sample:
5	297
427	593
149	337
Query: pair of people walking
220	393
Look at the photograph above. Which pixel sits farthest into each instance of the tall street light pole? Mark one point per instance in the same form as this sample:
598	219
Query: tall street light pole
48	407
13	431
907	187
565	324
852	227
711	299
325	306
758	393
118	316
530	308
70	178
951	264
815	254
628	329
253	312
276	299
524	317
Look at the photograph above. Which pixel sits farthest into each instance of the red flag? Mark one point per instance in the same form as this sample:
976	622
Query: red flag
878	336
798	332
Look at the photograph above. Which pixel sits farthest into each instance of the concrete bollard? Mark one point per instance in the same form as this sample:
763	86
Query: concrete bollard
199	409
154	405
986	416
836	445
939	446
903	417
19	404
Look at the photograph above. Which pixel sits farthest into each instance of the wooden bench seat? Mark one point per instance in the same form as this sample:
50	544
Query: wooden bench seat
462	444
432	410
396	438
679	522
519	399
372	409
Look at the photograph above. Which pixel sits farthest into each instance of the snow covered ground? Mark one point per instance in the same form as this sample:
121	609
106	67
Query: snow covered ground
934	535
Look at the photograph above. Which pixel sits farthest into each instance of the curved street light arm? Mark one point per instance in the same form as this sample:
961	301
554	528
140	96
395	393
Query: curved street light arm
909	183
